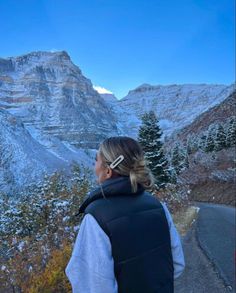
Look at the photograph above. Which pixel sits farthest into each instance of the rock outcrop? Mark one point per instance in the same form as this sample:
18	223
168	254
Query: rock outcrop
49	93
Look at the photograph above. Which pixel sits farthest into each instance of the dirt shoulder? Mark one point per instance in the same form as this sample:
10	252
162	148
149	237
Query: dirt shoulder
214	192
184	218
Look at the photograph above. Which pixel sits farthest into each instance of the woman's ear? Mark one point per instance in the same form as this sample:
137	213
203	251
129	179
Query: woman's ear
109	173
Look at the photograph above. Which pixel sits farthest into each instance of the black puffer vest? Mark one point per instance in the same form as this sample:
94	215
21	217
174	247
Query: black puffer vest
139	234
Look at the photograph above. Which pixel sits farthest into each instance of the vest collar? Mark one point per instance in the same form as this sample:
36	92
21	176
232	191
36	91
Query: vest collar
119	186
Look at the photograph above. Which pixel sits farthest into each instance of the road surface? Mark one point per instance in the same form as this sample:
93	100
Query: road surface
209	252
216	236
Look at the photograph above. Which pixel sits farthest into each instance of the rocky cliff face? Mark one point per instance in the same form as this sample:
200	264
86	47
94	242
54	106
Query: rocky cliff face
217	114
175	105
109	98
47	91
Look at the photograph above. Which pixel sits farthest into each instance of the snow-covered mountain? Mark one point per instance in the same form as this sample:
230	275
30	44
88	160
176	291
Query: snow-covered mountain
175	105
109	98
217	114
23	160
60	118
126	125
50	94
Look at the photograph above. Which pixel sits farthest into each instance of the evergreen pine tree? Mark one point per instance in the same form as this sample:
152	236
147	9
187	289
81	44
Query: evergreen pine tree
175	158
150	139
185	161
210	140
178	159
202	142
192	145
173	175
231	132
220	140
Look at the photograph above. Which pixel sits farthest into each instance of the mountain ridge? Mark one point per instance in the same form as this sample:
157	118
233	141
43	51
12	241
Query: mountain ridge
48	91
62	112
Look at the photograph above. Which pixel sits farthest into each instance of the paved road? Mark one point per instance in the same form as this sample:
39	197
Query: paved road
215	230
199	275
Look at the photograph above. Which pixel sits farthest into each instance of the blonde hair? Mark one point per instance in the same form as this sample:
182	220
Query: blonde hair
133	165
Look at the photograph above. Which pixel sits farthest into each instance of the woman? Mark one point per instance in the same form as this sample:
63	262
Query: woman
127	241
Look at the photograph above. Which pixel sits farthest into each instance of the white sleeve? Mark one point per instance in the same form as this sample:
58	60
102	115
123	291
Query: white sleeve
176	246
91	267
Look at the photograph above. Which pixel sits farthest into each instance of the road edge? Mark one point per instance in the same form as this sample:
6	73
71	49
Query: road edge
207	253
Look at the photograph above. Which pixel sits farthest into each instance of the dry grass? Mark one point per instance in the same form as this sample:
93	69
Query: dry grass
184	218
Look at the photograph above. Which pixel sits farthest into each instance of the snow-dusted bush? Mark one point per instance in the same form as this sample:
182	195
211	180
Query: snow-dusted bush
37	224
176	197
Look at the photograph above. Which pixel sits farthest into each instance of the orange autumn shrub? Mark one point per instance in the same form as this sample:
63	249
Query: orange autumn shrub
33	256
53	278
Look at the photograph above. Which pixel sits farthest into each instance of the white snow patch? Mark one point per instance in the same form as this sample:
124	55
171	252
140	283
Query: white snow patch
21	245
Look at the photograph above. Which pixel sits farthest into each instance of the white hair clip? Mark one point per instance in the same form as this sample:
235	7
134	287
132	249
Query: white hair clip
117	161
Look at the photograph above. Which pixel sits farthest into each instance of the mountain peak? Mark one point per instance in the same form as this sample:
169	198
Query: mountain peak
142	88
41	54
36	57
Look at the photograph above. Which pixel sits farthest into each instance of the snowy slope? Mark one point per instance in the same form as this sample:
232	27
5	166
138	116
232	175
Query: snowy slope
217	114
175	105
23	160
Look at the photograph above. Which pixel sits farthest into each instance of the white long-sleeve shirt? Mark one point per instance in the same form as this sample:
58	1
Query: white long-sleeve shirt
91	267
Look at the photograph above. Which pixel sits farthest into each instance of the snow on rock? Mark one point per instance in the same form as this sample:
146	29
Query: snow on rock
175	105
48	92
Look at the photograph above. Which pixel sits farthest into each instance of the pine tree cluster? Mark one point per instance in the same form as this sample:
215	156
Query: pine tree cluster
215	138
167	167
218	136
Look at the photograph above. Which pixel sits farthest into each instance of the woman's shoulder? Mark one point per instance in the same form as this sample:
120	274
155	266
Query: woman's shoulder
90	231
89	220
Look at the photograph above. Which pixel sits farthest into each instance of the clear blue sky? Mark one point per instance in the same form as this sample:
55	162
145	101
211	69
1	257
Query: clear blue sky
120	44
